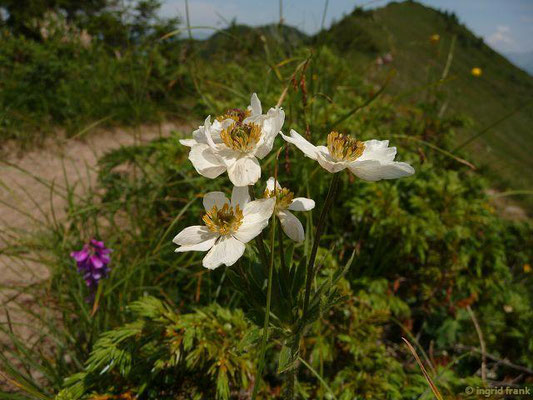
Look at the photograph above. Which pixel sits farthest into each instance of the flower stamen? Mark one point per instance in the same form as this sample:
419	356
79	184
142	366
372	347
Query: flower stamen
236	114
343	147
225	220
284	197
241	137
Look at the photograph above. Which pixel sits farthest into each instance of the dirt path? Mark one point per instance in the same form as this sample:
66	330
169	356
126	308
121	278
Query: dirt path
25	203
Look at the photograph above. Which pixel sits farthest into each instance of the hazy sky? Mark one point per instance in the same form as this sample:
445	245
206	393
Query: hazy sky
507	25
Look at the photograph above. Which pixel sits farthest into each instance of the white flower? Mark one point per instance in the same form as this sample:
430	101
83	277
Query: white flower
285	201
234	142
372	160
228	226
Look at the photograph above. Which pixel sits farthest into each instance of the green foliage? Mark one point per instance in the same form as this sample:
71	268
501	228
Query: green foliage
425	249
72	78
183	354
113	22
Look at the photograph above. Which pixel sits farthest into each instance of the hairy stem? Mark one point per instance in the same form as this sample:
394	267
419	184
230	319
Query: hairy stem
319	230
259	242
281	248
264	339
290	379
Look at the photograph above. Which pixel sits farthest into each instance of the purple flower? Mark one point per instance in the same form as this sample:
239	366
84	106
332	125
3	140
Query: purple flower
92	261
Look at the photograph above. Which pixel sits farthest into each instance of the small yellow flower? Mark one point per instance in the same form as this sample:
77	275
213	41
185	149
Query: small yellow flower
477	72
435	38
527	268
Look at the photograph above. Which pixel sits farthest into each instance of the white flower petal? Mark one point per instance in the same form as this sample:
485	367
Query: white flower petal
240	196
208	132
205	161
271	127
330	165
249	231
324	150
255	105
255	218
188	142
373	170
302	204
193	235
214	131
270	184
198	135
228	156
245	171
378	150
214	199
377	162
227	250
210	140
202	246
307	148
258	210
292	226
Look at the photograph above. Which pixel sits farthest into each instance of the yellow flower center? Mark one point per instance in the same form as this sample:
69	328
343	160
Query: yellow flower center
283	197
235	114
344	148
242	137
225	220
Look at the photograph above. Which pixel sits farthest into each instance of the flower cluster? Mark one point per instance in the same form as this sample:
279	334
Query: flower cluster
234	143
93	262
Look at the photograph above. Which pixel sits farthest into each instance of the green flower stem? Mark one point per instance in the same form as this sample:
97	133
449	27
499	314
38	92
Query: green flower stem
319	230
261	363
281	248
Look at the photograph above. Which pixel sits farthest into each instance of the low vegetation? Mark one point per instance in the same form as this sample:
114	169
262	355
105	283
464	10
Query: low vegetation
432	260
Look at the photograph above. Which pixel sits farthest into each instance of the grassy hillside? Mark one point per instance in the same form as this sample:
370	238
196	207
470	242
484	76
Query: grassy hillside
242	40
502	88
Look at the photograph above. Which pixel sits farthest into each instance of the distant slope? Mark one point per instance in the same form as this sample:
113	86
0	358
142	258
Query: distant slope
404	30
